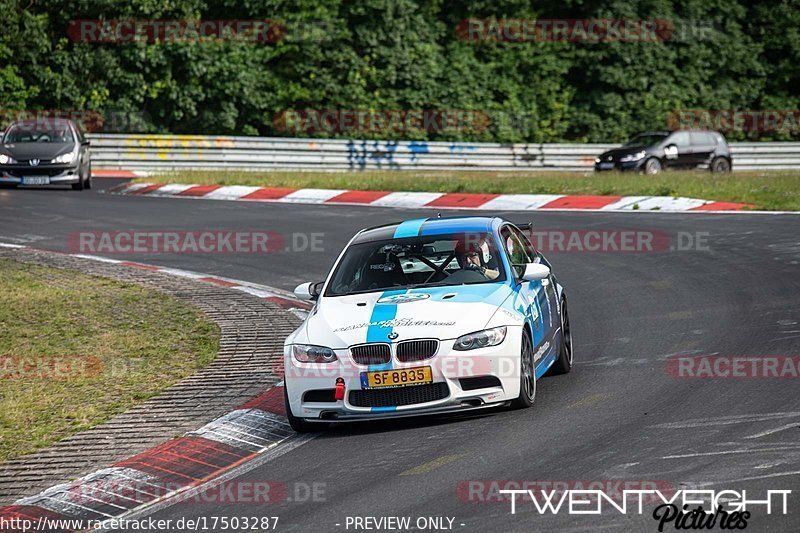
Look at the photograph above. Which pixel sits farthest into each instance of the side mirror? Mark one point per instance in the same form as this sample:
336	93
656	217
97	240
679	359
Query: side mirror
671	151
86	142
308	291
535	272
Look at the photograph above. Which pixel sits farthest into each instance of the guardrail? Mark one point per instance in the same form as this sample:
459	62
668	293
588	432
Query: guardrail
166	152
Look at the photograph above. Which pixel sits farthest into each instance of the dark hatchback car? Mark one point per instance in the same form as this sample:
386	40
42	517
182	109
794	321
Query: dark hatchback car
655	151
45	152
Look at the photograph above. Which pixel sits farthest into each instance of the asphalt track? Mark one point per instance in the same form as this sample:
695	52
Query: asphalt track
618	416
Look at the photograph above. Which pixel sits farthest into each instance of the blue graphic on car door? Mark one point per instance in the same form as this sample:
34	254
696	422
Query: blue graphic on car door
541	313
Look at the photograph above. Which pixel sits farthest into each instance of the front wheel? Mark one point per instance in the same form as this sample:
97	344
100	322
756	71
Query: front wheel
298	424
652	166
527	386
78	186
564	362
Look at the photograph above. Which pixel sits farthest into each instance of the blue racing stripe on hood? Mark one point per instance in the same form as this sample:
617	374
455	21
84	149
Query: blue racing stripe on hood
380	333
409	228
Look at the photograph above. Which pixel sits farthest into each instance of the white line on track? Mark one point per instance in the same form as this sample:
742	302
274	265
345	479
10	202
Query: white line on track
731	452
724	421
795	425
752	478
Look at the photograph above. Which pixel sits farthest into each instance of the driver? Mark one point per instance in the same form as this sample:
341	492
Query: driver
474	262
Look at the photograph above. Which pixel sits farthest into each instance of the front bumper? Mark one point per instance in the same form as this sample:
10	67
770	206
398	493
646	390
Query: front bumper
605	166
55	174
498	367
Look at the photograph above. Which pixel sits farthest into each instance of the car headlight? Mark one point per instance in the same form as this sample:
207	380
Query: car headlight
632	157
67	158
596	159
5	160
480	339
306	353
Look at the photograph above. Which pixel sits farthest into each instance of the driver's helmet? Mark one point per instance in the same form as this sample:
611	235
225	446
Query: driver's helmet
475	248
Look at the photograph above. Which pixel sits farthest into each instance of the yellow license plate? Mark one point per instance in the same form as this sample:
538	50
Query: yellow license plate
398	378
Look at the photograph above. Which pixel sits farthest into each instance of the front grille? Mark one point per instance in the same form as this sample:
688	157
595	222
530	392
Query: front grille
416	350
480	382
35	171
371	354
397	396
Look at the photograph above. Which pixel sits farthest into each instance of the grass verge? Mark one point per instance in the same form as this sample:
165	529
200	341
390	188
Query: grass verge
772	190
76	350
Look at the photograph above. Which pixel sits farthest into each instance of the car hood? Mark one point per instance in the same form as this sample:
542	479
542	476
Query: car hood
436	312
25	151
616	153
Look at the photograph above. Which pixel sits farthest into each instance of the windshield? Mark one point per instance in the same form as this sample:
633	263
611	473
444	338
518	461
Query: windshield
423	261
38	134
647	139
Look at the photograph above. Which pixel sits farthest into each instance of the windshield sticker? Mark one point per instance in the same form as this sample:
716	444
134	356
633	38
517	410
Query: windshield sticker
394	323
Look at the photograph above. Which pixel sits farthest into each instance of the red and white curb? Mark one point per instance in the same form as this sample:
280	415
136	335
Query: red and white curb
176	466
161	473
433	200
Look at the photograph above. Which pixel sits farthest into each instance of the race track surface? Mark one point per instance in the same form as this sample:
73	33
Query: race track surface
618	416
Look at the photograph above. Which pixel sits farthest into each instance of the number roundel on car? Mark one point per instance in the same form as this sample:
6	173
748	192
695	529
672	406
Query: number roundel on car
403	298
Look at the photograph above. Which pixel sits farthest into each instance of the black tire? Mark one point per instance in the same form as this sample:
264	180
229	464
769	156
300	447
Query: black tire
78	186
527	386
89	177
564	362
298	424
720	165
652	166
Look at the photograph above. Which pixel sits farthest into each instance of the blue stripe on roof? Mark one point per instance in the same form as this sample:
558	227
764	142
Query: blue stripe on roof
409	228
458	225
